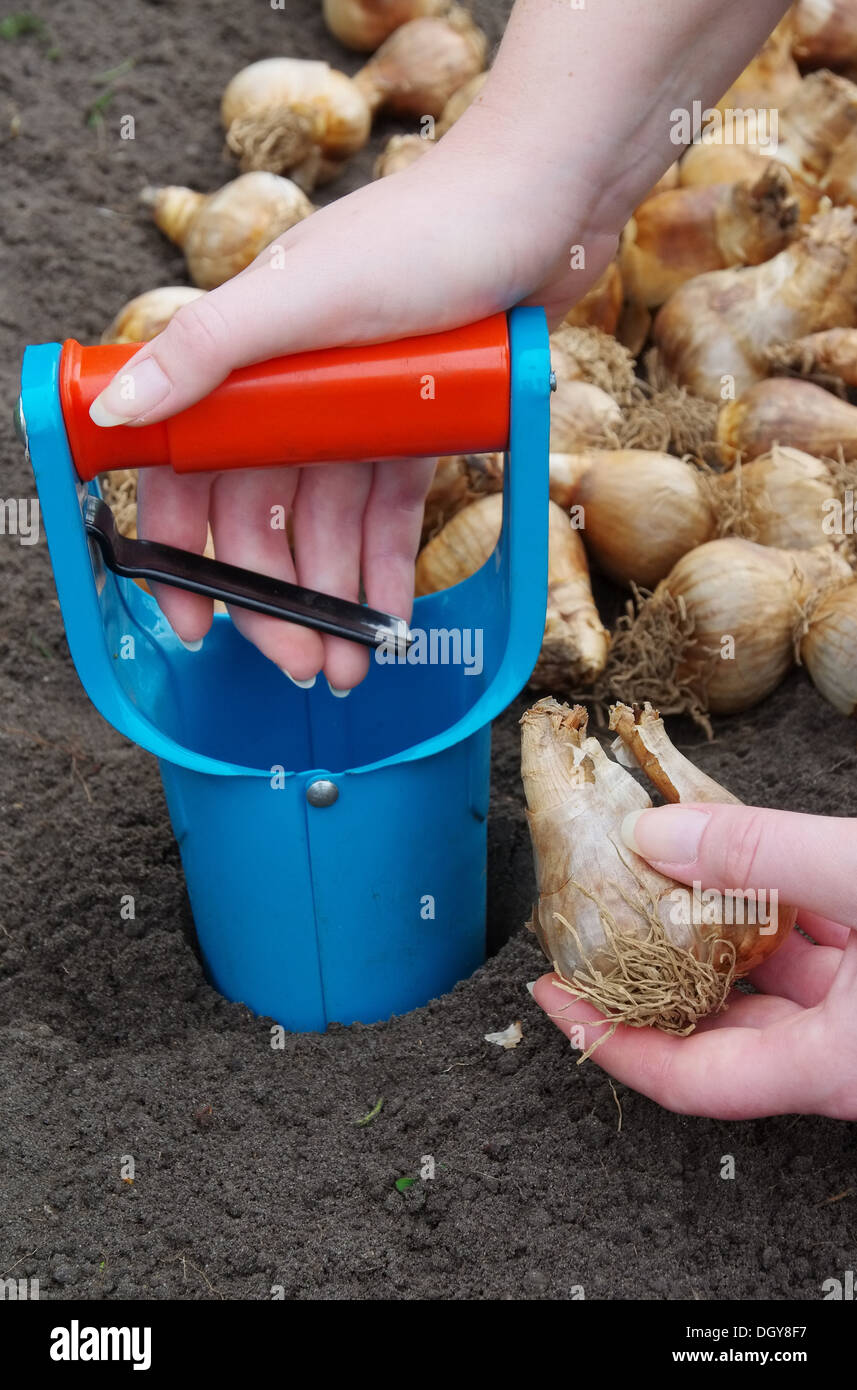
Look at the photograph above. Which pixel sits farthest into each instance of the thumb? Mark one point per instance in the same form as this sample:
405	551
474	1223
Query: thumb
357	271
810	860
229	327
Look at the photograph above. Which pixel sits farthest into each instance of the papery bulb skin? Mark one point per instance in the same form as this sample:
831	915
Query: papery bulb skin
364	24
719	632
829	648
771	77
400	152
148	314
575	643
642	511
689	231
704	165
750	594
459	102
577	798
832	352
223	232
780	499
423	64
459	479
786	410
716	329
639	945
174	209
294	116
824	32
601	306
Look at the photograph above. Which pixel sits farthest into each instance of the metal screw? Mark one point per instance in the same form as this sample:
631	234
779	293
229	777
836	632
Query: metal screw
552	380
322	792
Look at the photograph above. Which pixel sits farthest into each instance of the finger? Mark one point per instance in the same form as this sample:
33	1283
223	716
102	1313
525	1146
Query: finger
328	524
249	510
174	511
843	991
838	1031
749	1011
809	860
193	354
724	1073
822	930
742	1011
798	970
391	532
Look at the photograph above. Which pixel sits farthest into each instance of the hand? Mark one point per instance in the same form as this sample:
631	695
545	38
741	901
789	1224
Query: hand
429	249
791	1048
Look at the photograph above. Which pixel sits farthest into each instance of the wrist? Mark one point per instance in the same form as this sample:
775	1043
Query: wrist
549	216
548	184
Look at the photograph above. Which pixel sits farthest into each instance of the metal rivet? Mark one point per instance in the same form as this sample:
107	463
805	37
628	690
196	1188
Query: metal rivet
19	421
552	380
322	792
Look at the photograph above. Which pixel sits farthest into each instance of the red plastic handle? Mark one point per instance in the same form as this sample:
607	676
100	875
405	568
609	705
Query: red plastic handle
442	393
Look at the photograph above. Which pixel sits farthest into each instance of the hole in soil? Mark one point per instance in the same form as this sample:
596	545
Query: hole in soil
511	881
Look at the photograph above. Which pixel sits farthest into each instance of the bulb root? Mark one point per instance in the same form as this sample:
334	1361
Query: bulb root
650	982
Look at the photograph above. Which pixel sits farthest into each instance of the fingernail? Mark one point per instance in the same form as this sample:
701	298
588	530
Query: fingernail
130	395
666	834
191	646
301	685
334	690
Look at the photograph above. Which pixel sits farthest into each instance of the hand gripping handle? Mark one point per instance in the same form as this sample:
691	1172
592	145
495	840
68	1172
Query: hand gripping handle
441	393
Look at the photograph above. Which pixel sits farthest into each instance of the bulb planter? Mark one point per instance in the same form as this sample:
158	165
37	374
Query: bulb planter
334	850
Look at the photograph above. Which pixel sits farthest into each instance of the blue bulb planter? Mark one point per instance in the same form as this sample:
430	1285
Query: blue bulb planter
334	849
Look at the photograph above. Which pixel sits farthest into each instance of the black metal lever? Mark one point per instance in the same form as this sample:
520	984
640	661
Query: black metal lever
166	564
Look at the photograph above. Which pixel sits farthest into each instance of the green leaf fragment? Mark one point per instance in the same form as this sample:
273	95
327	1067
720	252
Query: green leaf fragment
373	1114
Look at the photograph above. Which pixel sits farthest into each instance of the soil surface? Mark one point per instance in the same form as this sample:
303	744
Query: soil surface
250	1168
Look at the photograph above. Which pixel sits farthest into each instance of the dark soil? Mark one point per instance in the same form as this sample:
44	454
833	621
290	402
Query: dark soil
250	1168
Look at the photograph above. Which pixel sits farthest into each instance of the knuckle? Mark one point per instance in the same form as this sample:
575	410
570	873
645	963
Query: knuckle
405	483
656	1075
409	502
655	1064
741	851
404	521
198	333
